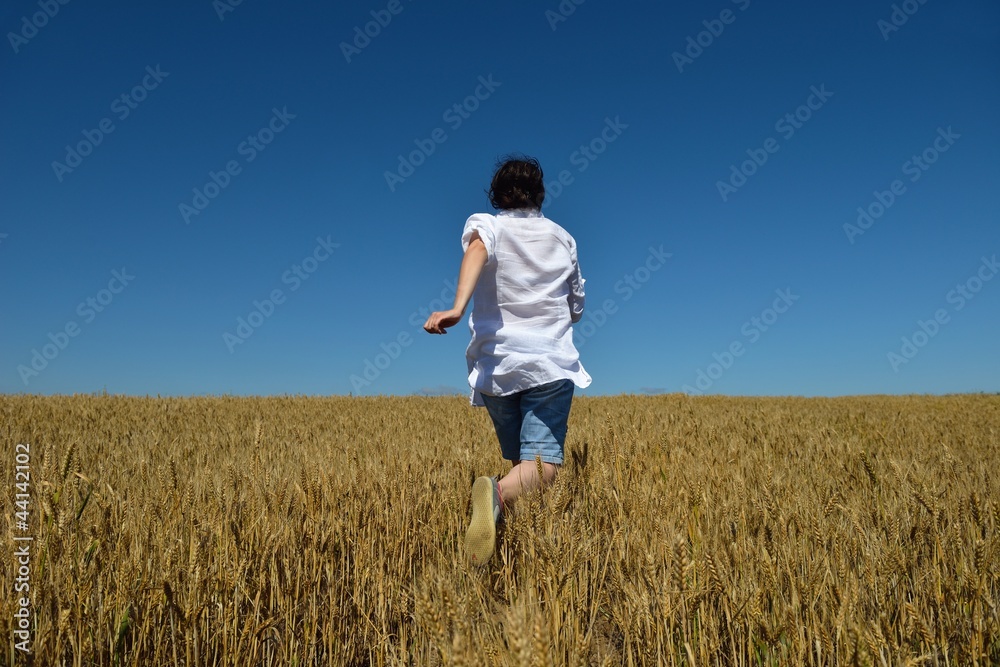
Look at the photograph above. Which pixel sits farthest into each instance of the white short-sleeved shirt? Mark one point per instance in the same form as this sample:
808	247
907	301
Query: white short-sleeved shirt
529	294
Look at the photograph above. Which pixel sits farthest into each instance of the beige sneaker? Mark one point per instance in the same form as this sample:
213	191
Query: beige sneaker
481	538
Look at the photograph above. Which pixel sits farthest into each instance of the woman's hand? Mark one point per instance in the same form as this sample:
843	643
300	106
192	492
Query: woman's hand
441	320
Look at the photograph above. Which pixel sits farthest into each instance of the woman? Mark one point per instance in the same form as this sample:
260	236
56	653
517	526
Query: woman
521	271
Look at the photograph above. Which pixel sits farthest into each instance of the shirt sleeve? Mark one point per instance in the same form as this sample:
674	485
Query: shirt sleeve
576	291
485	224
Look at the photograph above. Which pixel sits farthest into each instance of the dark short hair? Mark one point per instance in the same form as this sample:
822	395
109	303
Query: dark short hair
517	183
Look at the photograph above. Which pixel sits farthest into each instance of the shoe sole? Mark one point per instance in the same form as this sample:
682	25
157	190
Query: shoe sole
480	539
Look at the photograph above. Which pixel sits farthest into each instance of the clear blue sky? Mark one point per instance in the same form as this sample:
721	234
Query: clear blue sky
114	114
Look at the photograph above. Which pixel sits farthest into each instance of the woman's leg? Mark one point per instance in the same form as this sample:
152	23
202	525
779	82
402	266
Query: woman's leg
487	502
523	478
544	416
528	424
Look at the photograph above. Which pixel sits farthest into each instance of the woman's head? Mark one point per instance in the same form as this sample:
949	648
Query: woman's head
517	183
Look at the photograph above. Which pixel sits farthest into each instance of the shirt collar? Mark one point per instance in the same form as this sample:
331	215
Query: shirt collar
520	213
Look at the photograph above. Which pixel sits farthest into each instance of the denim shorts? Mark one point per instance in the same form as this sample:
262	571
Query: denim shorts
532	422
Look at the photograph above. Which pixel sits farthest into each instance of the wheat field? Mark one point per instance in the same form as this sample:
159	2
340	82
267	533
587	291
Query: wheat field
329	531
